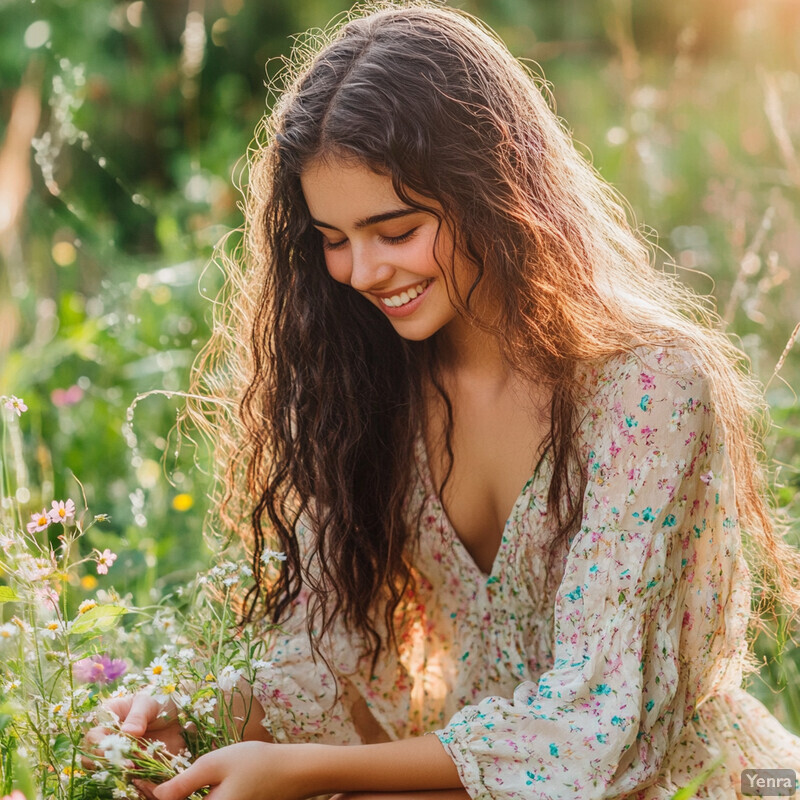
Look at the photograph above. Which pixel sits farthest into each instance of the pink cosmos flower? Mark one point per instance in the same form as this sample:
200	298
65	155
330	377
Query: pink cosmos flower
16	404
62	511
39	521
98	669
105	560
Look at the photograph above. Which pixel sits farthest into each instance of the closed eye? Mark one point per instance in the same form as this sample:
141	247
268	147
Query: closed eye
404	237
398	239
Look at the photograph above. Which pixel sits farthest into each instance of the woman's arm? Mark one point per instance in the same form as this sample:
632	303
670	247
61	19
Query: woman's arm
252	770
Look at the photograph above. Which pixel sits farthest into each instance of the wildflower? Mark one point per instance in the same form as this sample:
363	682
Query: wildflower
261	664
158	670
35	569
105	560
7	631
181	700
101	776
39	521
21	624
9	686
228	678
16	404
46	596
114	748
204	706
86	605
63	512
155	746
270	555
6	542
98	669
72	772
163	621
164	691
56	627
180	762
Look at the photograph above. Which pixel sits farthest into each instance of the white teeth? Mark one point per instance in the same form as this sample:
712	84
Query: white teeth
405	297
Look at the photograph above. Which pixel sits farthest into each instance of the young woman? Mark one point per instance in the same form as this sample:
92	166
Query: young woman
506	458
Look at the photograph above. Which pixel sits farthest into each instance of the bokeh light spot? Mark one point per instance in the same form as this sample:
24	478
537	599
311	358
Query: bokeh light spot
182	502
37	34
64	253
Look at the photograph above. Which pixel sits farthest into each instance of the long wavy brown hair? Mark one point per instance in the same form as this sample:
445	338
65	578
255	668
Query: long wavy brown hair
320	398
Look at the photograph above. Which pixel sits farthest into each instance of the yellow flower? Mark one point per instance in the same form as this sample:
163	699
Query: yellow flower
182	502
86	605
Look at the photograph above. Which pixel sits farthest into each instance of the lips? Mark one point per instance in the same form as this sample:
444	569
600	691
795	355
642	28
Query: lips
411	306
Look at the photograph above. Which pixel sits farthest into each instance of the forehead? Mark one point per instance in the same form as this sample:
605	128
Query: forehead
336	187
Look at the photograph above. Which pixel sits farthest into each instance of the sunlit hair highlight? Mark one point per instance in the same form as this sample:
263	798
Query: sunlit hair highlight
322	400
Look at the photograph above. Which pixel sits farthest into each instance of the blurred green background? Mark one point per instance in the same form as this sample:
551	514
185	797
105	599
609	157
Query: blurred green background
121	127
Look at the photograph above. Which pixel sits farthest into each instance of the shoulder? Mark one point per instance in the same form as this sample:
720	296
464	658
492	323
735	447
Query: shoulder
644	389
645	367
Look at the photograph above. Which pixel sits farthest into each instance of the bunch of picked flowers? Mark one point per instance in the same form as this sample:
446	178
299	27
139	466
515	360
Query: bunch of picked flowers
59	658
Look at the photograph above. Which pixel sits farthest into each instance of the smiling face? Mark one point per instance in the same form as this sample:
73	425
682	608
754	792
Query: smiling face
381	247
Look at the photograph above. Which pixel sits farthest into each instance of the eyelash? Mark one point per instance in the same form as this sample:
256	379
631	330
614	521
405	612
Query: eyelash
385	239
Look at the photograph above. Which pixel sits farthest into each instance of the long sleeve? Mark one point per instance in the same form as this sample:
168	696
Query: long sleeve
642	615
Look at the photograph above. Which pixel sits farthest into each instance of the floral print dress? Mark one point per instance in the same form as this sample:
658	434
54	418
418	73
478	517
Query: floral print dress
618	675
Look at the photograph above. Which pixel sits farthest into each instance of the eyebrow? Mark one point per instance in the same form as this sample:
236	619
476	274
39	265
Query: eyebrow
374	219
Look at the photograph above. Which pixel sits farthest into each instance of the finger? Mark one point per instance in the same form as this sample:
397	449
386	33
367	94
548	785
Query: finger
202	773
144	709
145	788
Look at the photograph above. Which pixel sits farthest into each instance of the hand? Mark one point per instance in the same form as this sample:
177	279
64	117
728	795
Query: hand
243	771
142	715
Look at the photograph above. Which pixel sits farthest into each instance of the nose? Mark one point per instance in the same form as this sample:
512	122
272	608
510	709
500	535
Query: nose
368	269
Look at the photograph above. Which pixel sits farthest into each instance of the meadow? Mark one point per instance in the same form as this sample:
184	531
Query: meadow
122	131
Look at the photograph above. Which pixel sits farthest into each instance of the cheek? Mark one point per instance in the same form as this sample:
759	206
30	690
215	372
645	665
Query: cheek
338	266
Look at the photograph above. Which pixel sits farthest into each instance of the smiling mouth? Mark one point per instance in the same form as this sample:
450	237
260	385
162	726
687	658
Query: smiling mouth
406	296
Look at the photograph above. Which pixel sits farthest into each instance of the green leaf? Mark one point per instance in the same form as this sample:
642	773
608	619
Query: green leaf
99	618
8	595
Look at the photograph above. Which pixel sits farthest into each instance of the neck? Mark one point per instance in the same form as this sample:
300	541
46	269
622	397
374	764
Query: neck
471	354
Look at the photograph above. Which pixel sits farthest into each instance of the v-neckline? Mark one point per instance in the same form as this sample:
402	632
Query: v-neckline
430	488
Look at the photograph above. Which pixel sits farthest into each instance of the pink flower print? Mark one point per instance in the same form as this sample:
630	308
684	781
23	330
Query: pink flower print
105	560
39	521
647	381
16	404
63	512
707	477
